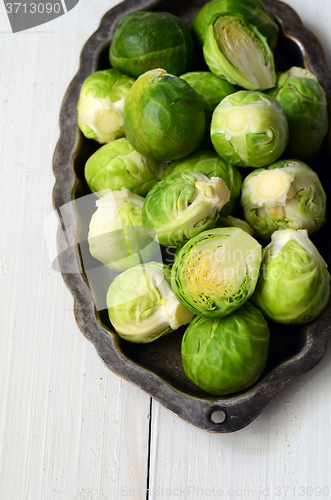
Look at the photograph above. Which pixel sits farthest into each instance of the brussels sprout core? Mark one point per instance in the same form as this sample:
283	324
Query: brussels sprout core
216	272
288	194
271	188
244	51
236	51
249	129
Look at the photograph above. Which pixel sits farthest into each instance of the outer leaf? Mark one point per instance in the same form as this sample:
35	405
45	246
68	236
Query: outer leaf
147	40
227	355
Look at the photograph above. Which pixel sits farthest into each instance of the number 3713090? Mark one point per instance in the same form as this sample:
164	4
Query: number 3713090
33	8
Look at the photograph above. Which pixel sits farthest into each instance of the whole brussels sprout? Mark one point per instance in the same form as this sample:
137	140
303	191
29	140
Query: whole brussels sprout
230	221
249	129
237	51
216	272
294	286
141	305
223	356
163	116
253	11
117	164
116	234
100	105
183	206
211	89
208	162
149	40
304	102
286	195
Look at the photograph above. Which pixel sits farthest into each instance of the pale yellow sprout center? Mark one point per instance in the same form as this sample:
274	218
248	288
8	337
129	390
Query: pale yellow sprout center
271	188
208	271
236	120
108	121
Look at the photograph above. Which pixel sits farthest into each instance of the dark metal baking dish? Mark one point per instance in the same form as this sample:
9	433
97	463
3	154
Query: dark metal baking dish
156	368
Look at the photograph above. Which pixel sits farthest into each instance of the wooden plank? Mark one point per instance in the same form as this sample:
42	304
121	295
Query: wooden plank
70	429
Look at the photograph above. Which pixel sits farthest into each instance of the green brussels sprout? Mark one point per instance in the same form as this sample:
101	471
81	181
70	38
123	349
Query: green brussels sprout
142	306
286	195
100	105
237	51
116	234
249	129
163	116
210	164
211	89
230	221
304	102
223	356
146	40
294	285
216	272
253	11
117	164
183	206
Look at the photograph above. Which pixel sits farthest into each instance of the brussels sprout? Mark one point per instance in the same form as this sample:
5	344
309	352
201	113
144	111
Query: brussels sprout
141	305
210	164
304	102
286	195
237	51
211	89
183	206
216	272
294	286
100	105
223	356
117	164
230	221
116	234
253	11
148	40
249	129
163	116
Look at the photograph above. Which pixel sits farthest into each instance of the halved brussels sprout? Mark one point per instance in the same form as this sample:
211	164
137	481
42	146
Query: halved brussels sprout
230	221
223	356
237	51
118	165
208	162
294	285
211	89
216	272
100	105
286	195
148	40
253	11
249	129
142	306
184	205
304	102
163	116
116	234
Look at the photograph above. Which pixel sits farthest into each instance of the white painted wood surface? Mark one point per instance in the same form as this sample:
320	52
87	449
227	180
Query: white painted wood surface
69	428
